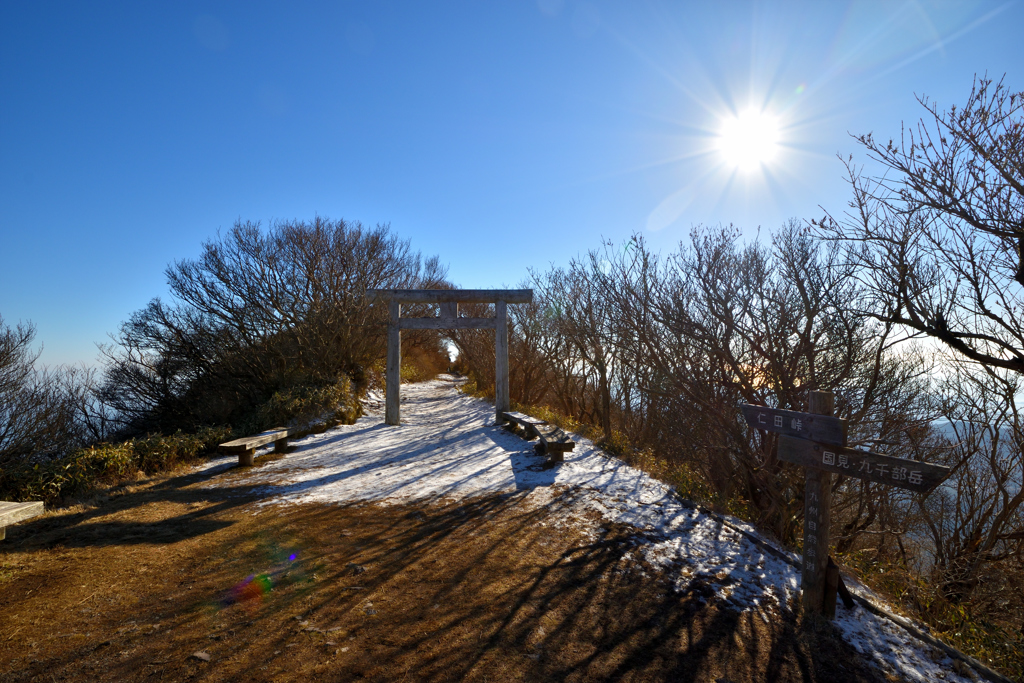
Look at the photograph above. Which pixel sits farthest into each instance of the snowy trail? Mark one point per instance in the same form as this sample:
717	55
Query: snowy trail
448	446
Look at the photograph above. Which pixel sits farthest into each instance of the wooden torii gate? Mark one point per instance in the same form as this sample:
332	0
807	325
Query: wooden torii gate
449	300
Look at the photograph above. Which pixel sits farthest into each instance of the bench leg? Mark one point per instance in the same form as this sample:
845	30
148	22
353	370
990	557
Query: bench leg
281	446
245	459
3	532
557	455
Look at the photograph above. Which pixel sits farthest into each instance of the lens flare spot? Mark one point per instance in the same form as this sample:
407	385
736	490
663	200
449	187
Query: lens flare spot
254	588
749	140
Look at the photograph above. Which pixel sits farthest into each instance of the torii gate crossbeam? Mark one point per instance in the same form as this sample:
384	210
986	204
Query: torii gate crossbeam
449	300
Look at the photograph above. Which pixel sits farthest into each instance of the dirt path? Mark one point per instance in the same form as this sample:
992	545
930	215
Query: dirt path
484	589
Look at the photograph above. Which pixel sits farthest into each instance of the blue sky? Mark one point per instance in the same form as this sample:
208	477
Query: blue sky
500	135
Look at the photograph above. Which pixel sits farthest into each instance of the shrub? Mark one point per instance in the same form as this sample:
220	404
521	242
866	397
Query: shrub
989	634
302	404
555	418
471	387
155	452
57	480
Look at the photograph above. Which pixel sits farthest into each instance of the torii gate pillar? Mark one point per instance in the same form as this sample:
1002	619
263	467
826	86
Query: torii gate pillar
449	299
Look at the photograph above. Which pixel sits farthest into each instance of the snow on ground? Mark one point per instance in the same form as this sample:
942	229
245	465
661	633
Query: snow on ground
448	446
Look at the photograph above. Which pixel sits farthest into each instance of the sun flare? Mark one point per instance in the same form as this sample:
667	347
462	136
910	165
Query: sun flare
749	140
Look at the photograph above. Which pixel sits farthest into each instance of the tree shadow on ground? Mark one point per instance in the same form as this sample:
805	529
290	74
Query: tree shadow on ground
494	588
102	521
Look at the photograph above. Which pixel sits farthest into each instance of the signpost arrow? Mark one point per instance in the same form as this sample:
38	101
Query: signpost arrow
921	477
820	428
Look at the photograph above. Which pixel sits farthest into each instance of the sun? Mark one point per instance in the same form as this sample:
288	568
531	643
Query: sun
749	140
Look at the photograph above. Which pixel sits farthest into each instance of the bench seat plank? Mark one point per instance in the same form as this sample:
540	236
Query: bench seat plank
17	512
528	424
249	442
555	438
523	419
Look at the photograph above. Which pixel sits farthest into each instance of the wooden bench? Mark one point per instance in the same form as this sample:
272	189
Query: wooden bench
525	422
247	445
16	512
553	441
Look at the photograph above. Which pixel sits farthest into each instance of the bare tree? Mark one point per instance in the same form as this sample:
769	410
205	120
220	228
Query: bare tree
937	242
257	311
718	323
585	321
530	350
975	522
938	238
80	385
476	347
36	419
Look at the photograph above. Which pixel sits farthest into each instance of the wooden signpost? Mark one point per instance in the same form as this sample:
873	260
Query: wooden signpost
817	441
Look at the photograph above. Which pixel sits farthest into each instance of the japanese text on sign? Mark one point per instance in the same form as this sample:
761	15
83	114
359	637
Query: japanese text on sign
883	469
818	428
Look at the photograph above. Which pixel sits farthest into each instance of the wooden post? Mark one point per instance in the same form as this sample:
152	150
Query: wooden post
247	457
501	397
828	605
817	516
393	372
